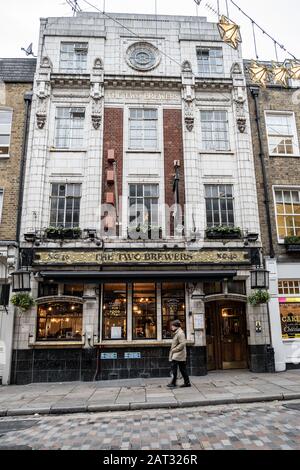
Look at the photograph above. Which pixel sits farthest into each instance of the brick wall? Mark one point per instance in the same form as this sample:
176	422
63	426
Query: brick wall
173	150
113	139
280	170
10	167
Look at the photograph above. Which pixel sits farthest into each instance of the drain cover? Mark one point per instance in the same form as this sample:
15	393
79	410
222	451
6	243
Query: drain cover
10	426
293	406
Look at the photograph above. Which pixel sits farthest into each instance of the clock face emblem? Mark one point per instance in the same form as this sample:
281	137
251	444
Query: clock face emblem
143	56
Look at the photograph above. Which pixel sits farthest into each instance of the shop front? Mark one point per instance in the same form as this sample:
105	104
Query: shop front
104	315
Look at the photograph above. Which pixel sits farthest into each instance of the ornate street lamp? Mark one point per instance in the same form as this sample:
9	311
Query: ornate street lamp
21	281
260	279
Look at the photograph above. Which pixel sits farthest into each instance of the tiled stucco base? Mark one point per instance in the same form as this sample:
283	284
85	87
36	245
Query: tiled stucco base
67	365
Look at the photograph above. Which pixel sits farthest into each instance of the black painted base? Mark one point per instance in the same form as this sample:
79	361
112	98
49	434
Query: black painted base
292	366
68	365
261	359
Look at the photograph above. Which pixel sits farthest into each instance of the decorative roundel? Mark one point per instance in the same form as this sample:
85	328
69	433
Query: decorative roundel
143	56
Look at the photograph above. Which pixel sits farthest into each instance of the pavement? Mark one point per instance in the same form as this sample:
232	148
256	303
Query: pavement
217	388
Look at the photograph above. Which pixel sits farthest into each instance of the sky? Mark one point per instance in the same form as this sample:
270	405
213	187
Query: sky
19	20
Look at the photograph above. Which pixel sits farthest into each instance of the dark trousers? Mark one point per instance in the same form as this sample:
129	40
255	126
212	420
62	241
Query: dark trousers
183	370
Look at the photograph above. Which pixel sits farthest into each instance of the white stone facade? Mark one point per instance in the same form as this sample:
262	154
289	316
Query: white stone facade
111	81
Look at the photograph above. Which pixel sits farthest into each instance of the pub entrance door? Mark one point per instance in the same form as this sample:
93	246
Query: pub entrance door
226	335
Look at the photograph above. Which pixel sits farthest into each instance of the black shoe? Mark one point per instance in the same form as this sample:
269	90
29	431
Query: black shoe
171	386
185	385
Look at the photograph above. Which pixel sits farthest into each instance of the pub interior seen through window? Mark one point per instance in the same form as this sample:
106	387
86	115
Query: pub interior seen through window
144	315
59	321
115	311
173	306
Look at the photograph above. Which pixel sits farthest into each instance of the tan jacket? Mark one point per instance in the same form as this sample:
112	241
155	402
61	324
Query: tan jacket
178	348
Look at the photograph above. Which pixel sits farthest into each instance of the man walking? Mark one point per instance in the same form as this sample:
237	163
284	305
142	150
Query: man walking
178	355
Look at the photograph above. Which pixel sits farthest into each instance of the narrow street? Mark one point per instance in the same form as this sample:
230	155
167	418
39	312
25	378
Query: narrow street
273	426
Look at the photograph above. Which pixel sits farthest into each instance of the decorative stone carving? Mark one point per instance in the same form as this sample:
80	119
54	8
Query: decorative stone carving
188	95
96	121
241	122
41	119
97	93
143	56
189	115
186	67
43	91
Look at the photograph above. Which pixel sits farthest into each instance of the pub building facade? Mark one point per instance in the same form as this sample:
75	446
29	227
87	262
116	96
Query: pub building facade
140	148
275	121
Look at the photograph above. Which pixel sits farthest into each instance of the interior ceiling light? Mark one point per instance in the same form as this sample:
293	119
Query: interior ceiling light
230	32
259	73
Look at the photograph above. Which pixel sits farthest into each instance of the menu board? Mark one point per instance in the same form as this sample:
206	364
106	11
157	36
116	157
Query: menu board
290	320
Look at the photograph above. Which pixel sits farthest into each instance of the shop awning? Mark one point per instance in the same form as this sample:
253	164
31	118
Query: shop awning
93	277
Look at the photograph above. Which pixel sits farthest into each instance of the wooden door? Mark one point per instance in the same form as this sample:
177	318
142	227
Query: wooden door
226	337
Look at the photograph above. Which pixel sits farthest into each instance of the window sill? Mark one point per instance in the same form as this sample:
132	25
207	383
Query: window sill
216	152
143	151
56	344
4	156
284	155
137	344
58	150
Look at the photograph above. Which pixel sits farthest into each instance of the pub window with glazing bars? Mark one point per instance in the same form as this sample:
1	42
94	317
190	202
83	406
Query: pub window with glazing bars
143	133
73	56
69	128
215	131
289	287
173	307
219	205
282	134
288	212
210	61
5	131
65	205
143	205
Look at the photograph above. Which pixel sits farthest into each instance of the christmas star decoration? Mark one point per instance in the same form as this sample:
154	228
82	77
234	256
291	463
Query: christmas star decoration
295	71
281	75
229	32
259	73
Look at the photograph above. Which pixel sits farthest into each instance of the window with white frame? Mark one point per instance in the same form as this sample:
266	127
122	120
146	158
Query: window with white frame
1	203
65	205
69	128
5	130
73	56
282	134
143	129
289	287
210	61
143	205
215	130
287	204
219	205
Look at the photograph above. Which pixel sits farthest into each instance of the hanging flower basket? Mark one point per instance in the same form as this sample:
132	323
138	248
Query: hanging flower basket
60	233
23	301
292	244
259	297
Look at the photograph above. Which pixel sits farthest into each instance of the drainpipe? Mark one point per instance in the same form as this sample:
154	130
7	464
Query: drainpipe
255	95
28	100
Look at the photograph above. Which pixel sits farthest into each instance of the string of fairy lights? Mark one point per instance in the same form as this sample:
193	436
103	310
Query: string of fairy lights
261	73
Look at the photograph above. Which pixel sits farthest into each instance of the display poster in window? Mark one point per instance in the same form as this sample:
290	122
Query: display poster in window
290	320
116	332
